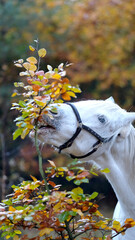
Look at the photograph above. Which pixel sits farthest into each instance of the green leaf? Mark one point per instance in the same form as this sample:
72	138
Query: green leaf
17	133
93	195
37	83
22	103
69	178
63	216
79	181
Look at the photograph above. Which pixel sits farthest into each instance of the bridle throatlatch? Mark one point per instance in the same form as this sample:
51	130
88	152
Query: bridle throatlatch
80	127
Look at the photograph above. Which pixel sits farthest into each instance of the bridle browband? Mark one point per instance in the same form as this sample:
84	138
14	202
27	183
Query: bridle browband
80	127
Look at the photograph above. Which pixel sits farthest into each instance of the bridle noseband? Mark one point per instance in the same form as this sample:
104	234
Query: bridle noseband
80	127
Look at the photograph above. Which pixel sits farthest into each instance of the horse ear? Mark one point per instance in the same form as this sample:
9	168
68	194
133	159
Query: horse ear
124	132
130	117
110	99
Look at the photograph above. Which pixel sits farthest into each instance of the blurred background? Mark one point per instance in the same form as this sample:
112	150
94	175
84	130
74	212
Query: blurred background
98	36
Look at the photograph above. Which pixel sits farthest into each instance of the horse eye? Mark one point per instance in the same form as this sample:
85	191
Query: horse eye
101	118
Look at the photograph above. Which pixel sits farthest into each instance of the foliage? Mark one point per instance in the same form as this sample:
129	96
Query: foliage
43	89
60	215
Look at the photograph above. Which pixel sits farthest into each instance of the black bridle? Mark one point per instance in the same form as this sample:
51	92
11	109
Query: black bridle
80	127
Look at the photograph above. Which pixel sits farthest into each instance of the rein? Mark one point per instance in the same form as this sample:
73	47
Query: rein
80	127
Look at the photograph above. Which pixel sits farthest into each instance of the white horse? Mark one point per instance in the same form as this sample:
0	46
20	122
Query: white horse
100	131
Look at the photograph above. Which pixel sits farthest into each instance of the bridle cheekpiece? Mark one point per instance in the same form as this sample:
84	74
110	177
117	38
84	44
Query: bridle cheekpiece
80	127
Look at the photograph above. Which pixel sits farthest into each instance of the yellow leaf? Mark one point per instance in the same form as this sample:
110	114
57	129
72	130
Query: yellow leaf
14	94
17	232
78	211
76	193
15	237
34	179
33	67
52	163
42	52
31	48
29	66
45	231
26	65
8	236
56	76
72	94
25	132
106	170
12	209
57	207
30	126
116	225
32	60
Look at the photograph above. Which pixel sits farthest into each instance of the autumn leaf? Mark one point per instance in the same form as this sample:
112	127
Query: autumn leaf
72	94
66	97
116	226
42	52
76	193
45	231
33	178
31	48
32	60
52	163
14	94
12	209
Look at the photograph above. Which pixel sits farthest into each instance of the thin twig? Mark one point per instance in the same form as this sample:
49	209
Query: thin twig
69	231
3	165
118	233
41	163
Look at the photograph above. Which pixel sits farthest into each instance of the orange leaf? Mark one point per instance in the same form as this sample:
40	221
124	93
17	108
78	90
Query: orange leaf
12	209
83	175
52	183
66	97
34	179
65	80
36	88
